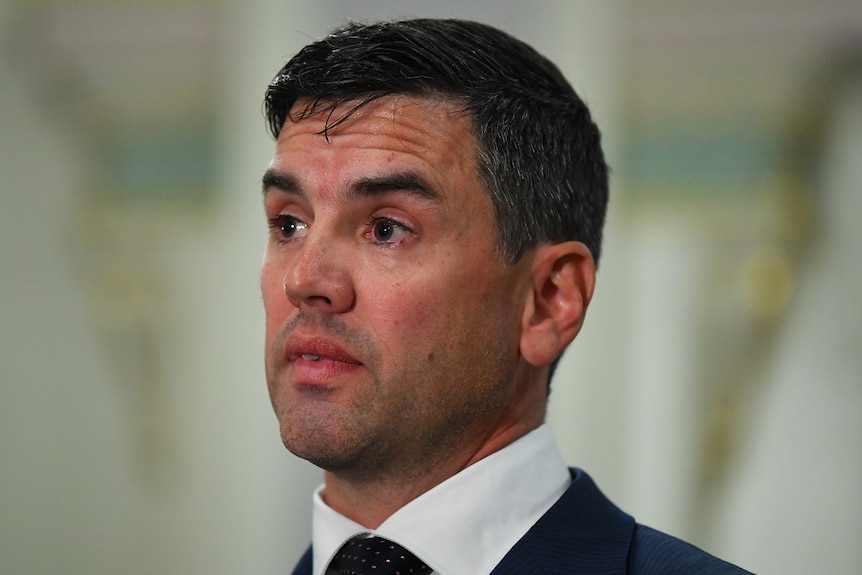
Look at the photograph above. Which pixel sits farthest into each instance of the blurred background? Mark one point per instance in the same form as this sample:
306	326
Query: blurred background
715	393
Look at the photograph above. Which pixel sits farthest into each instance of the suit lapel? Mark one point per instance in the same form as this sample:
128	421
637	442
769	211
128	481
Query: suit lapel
583	533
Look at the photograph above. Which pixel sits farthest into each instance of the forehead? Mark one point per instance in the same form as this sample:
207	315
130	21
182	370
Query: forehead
431	136
439	116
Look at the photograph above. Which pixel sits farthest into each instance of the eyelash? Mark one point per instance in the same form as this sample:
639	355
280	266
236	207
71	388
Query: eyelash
374	220
278	223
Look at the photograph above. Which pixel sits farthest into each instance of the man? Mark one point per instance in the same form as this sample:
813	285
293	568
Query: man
435	204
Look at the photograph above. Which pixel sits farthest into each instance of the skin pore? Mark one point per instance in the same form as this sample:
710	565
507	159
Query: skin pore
400	346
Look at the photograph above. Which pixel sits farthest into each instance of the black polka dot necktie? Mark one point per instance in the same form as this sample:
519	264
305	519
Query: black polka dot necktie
375	556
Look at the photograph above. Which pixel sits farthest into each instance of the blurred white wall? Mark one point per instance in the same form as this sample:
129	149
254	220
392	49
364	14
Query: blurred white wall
143	442
63	475
797	484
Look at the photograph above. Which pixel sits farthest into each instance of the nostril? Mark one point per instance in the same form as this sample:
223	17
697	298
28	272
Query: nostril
313	281
322	299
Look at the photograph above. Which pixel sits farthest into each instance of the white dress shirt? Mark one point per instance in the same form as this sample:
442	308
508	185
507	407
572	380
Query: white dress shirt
467	524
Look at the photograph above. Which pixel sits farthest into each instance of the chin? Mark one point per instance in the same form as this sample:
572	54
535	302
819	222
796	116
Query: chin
323	447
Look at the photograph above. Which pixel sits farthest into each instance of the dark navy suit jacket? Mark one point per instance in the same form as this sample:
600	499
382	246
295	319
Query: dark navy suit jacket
584	533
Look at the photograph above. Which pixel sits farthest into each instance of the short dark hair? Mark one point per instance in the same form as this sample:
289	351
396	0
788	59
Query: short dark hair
540	156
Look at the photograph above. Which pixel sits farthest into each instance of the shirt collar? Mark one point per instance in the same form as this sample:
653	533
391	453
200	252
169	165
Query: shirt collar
490	504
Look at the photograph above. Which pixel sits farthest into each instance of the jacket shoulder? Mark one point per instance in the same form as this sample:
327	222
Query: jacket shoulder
655	553
304	565
585	534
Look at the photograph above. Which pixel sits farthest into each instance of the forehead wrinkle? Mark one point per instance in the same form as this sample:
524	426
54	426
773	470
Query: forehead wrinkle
444	124
433	119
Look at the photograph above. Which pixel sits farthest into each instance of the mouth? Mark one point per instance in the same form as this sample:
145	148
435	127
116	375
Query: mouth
318	360
318	349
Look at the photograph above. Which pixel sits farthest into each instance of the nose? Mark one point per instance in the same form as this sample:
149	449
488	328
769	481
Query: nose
319	279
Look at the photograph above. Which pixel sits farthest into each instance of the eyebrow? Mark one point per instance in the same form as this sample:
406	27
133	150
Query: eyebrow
282	181
408	182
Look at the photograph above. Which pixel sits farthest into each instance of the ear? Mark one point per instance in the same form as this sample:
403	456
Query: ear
563	279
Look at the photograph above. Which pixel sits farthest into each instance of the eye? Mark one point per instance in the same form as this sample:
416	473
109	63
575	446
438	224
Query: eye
383	230
387	231
286	227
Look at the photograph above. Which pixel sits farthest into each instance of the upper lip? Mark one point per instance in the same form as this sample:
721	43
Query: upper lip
321	346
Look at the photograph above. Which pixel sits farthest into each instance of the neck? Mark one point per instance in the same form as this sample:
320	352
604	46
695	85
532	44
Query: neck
369	501
370	496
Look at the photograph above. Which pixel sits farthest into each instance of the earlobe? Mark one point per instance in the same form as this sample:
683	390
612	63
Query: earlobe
563	279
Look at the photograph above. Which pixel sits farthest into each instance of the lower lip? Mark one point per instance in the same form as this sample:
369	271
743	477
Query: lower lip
320	371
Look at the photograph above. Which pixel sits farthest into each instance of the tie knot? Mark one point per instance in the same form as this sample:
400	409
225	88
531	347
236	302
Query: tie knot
376	555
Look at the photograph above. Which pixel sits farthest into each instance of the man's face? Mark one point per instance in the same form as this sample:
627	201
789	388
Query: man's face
392	324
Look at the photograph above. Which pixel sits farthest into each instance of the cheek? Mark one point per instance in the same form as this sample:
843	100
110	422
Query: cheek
275	302
428	321
407	319
403	310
